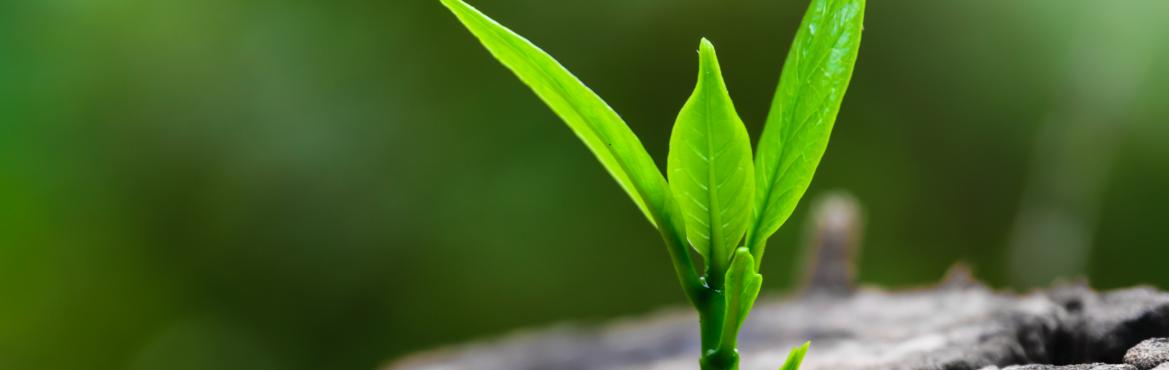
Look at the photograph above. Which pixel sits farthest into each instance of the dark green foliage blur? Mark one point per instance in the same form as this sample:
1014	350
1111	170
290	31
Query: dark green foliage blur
226	184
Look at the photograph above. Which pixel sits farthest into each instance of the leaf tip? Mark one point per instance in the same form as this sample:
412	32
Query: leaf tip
705	48
744	253
796	357
708	59
705	43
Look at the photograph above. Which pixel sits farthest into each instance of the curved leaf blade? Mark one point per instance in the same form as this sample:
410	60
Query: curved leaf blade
803	112
589	117
597	125
709	165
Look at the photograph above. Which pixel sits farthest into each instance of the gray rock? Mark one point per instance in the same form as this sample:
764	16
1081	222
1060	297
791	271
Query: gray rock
956	327
1164	366
1096	366
1148	354
1043	367
1031	367
1104	326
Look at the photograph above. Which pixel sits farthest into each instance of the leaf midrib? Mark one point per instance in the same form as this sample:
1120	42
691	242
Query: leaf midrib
715	213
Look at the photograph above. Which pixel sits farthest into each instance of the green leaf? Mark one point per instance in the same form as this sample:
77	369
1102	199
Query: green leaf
710	166
742	288
811	89
597	125
601	129
796	357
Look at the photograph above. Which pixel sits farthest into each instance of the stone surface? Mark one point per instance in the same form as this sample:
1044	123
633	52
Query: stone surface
1148	354
958	325
1096	366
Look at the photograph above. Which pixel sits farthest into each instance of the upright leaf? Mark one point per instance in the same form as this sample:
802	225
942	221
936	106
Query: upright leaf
796	357
601	129
811	89
710	166
742	288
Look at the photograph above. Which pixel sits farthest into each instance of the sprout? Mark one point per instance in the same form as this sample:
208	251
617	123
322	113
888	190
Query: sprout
716	200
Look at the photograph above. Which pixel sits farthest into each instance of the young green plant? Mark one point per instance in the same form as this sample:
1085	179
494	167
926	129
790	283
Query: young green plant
716	201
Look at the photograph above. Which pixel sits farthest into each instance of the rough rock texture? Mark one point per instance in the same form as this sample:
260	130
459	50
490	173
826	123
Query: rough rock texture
1148	354
956	326
1096	366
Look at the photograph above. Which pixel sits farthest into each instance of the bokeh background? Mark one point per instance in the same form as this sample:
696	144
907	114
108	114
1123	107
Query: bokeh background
225	184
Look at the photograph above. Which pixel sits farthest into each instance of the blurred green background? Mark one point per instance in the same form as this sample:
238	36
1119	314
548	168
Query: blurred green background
224	184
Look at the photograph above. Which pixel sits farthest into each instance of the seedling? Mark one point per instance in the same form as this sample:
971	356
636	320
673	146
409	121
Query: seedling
716	202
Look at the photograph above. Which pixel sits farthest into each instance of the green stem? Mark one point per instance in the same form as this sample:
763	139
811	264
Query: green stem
757	249
712	318
722	360
705	294
673	233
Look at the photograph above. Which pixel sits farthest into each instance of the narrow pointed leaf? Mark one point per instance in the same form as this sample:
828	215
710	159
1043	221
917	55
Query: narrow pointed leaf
710	166
597	125
796	357
803	112
742	288
601	129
